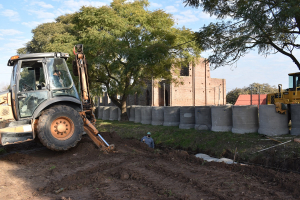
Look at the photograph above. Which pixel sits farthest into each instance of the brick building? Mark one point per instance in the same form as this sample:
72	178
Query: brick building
199	89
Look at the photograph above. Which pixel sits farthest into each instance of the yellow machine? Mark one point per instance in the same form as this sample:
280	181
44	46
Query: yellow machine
283	99
43	101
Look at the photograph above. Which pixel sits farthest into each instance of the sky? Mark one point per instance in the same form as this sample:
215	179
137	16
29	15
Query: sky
19	17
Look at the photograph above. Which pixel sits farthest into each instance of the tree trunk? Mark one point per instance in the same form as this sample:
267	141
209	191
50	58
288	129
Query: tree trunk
124	116
121	105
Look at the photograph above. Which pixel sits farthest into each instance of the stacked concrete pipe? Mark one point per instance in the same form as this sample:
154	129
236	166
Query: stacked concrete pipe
157	116
171	116
272	123
100	112
132	114
187	117
137	114
96	112
128	111
244	119
203	117
113	115
146	114
221	118
119	114
295	118
106	113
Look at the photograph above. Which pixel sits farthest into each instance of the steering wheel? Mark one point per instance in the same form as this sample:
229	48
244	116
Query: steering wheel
41	85
26	87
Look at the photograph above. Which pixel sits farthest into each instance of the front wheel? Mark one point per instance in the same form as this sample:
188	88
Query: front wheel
60	128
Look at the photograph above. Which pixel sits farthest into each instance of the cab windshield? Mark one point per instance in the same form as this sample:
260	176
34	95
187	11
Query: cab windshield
294	81
61	82
58	73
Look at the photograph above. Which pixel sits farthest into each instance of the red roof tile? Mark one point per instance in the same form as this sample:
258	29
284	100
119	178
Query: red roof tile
245	99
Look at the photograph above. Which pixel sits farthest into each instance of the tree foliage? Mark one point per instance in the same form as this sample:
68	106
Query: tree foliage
125	45
272	26
254	88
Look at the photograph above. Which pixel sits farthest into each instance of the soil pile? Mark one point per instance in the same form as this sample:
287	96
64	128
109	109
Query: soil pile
135	171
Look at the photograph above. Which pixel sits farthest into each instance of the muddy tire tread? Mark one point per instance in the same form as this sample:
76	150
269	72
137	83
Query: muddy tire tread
42	132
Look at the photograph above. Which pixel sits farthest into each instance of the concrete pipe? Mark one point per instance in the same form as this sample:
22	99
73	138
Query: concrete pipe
137	114
106	113
187	117
146	114
96	112
132	113
221	118
171	116
100	112
157	115
203	117
244	119
128	111
113	113
119	114
295	118
272	123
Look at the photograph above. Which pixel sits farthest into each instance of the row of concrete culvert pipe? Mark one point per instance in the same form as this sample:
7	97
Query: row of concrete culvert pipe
238	119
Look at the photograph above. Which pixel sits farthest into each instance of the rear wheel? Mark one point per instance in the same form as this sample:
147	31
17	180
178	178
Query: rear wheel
60	128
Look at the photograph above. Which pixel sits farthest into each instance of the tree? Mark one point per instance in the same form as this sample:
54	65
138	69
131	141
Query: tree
272	26
125	45
256	88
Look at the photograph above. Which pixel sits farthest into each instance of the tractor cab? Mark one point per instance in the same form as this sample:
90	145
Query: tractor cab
294	81
37	78
283	99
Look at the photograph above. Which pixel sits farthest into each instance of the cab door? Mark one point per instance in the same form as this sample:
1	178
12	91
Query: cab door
32	90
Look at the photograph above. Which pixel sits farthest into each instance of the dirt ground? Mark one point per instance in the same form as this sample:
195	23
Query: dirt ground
133	172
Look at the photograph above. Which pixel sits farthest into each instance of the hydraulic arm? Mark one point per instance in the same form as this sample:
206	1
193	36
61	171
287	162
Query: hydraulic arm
80	69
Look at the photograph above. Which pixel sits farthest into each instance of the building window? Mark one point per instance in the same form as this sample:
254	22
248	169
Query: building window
184	71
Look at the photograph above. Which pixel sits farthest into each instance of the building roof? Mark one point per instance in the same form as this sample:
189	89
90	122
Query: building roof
245	99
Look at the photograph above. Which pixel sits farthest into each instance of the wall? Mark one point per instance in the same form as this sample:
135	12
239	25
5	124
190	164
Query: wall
199	89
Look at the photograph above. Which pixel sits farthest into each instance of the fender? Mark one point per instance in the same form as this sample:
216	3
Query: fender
59	100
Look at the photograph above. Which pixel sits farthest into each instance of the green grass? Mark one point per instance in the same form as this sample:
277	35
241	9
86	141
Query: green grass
217	144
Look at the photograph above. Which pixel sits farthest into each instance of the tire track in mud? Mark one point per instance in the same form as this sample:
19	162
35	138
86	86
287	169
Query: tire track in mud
162	185
223	189
181	177
203	181
81	177
138	178
290	181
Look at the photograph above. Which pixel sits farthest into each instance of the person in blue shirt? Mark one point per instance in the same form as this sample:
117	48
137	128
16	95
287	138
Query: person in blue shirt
148	140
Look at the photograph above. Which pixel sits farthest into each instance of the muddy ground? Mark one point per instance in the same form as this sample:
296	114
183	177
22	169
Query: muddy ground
133	172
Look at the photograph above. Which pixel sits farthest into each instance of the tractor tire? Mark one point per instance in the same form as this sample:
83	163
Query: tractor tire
60	128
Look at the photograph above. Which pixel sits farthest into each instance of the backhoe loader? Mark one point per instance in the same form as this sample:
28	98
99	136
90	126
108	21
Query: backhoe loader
43	102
